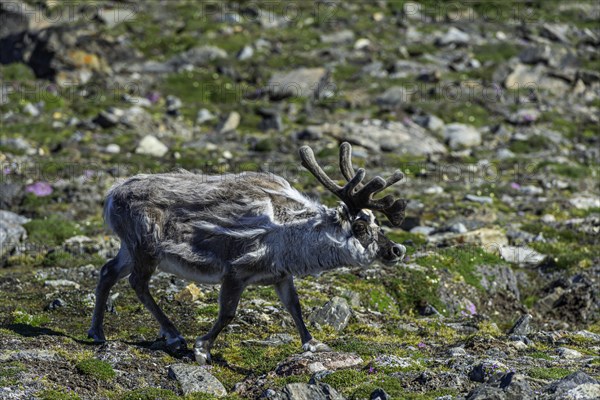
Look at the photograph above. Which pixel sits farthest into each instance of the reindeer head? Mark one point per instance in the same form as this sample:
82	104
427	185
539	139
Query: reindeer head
359	203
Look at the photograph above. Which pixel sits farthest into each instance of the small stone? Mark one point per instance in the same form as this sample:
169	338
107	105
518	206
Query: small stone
151	146
230	123
12	231
61	283
362	43
299	364
522	255
379	394
458	227
57	303
336	313
479	199
203	116
31	110
422	230
196	379
245	53
460	135
569	354
109	118
343	36
524	117
457	352
584	202
298	83
548	218
305	391
271	120
454	36
189	294
521	327
310	133
393	97
112	148
173	105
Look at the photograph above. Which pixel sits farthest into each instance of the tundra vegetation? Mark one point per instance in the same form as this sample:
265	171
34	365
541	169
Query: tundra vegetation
490	109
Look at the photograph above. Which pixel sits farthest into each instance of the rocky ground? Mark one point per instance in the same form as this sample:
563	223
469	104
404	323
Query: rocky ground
490	108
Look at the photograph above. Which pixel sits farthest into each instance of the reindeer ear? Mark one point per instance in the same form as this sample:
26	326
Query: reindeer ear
395	213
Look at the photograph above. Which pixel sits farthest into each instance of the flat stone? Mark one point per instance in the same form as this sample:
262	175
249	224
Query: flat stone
301	82
151	146
336	313
460	135
522	255
11	231
305	362
230	123
400	137
569	354
61	283
196	379
343	36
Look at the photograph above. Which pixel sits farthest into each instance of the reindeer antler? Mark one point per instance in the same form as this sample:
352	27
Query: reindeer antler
354	194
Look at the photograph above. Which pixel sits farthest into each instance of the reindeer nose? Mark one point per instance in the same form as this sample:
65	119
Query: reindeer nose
398	251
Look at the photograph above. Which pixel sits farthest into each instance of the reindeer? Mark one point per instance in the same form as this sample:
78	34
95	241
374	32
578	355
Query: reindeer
238	230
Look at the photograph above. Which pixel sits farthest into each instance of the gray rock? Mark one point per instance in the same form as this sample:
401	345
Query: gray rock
577	384
203	116
197	56
423	230
230	123
460	135
245	53
569	354
301	82
55	304
11	231
521	327
61	283
584	202
194	379
479	199
336	313
310	133
151	146
393	97
271	120
400	137
379	394
521	255
304	391
309	362
524	116
556	32
343	36
523	77
112	148
109	118
485	392
173	105
458	227
454	36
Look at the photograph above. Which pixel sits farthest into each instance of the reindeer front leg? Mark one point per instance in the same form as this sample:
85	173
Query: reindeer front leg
289	297
229	298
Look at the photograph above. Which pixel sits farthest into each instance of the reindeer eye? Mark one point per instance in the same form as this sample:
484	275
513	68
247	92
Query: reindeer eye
360	228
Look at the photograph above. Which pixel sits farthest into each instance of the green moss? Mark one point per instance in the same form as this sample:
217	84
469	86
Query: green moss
16	72
495	52
552	373
413	288
380	300
51	231
9	372
540	355
23	317
57	394
149	393
462	261
98	369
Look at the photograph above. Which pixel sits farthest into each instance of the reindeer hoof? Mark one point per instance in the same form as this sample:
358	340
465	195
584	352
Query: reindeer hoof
176	344
202	353
97	336
315	346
